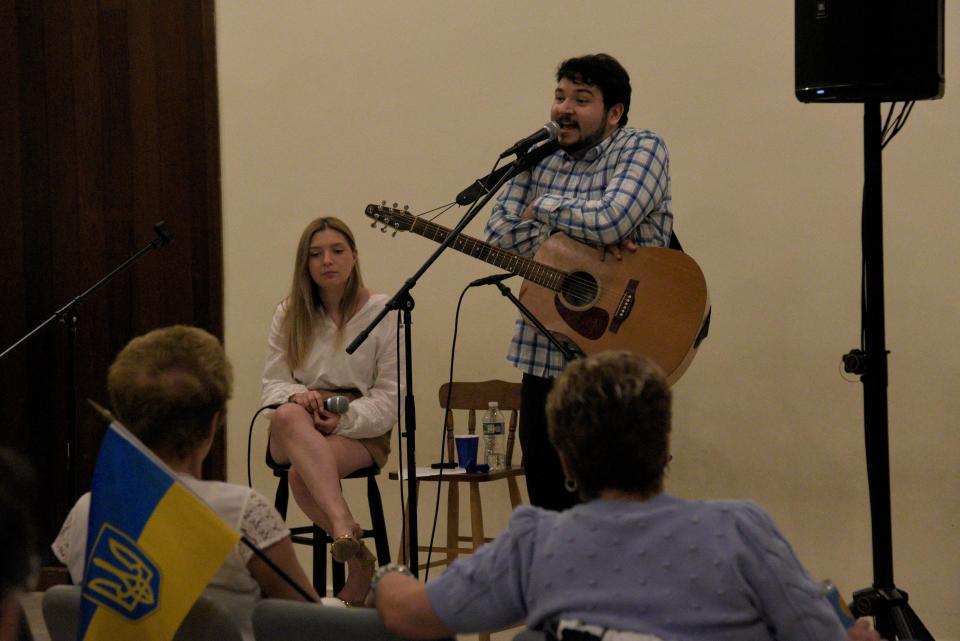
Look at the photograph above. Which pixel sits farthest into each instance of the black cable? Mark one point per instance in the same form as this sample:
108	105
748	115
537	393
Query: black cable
250	439
443	432
276	568
889	131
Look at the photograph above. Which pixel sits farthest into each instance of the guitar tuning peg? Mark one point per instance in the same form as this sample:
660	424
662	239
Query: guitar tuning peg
383	230
394	205
406	208
373	224
394	234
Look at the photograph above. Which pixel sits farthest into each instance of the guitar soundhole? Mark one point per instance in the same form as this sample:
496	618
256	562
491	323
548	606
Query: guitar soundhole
579	290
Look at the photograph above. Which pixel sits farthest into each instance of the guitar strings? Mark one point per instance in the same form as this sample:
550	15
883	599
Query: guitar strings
577	286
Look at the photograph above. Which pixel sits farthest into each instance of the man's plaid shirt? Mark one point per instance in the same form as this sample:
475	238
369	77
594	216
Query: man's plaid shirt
618	190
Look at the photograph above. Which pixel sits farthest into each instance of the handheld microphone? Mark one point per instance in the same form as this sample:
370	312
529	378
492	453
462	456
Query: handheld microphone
334	404
548	132
491	280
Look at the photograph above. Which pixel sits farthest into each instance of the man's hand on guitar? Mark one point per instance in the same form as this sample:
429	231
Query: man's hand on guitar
617	250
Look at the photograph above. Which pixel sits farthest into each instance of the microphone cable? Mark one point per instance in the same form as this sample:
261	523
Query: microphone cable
443	432
250	439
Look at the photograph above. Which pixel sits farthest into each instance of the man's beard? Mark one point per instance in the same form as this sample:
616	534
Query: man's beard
586	141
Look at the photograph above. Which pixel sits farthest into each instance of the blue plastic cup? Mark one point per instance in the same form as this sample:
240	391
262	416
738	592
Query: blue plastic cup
467	445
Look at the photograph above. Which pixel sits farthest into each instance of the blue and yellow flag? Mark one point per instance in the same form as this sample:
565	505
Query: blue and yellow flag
152	546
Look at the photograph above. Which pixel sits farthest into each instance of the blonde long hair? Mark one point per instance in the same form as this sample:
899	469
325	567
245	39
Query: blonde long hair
304	304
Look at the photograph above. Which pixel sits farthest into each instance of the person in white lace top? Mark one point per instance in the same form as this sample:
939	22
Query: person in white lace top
327	307
170	387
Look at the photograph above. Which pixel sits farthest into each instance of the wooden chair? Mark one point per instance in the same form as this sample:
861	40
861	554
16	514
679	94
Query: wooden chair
472	397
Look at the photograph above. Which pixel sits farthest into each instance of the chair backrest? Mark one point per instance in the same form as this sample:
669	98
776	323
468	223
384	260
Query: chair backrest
206	621
279	620
474	397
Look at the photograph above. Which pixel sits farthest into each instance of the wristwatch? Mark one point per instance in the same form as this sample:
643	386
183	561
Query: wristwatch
383	571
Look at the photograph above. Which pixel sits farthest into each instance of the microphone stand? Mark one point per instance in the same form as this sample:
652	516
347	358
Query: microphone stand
402	300
69	315
570	350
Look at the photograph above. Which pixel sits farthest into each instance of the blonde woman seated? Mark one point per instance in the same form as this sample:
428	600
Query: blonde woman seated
327	307
628	559
170	388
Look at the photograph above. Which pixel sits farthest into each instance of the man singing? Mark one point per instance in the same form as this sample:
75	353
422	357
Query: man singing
608	186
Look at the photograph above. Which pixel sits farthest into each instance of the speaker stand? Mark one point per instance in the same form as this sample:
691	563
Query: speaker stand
895	620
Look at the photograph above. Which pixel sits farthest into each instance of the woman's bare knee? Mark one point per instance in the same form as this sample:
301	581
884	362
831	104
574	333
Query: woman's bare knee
288	420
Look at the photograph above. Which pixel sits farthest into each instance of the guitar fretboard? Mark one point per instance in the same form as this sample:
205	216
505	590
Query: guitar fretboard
529	269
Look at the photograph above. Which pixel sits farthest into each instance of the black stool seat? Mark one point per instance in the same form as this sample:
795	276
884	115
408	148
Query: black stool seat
315	537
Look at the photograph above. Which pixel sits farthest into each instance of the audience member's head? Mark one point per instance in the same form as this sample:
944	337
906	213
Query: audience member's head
609	417
167	385
18	538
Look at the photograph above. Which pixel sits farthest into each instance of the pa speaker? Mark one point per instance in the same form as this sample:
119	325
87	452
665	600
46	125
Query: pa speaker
868	50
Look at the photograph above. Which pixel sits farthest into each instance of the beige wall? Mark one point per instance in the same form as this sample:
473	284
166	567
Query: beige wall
327	106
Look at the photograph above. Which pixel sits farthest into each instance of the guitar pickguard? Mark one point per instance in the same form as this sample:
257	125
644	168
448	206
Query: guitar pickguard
590	323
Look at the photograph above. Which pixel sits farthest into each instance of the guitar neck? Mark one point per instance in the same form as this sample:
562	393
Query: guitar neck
531	270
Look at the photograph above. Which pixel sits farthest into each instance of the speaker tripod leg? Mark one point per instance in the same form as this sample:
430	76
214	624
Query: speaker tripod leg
895	619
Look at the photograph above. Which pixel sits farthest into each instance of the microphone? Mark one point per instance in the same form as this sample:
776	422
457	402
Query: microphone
547	132
334	404
163	232
482	185
490	280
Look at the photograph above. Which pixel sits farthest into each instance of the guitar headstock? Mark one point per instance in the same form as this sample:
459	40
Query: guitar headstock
398	219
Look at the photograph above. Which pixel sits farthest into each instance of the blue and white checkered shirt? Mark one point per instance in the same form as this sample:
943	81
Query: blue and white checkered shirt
618	190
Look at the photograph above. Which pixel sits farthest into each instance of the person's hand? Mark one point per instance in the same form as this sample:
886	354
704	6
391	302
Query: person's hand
863	631
617	250
325	422
312	400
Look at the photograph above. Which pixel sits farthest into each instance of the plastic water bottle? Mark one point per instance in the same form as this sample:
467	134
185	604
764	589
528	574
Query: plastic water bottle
493	437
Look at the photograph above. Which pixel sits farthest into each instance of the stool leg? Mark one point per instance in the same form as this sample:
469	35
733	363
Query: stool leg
377	521
476	516
514	491
453	522
282	496
319	560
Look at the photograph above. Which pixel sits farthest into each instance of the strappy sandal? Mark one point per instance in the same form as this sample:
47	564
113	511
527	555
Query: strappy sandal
345	548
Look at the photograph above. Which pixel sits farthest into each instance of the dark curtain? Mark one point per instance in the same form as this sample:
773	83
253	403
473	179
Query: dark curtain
108	124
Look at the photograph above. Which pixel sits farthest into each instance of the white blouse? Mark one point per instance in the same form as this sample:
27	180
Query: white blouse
372	369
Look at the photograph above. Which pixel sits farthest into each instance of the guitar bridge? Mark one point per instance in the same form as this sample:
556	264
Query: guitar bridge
625	306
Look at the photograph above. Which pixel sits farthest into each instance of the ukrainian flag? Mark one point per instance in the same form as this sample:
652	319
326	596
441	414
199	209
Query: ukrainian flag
152	546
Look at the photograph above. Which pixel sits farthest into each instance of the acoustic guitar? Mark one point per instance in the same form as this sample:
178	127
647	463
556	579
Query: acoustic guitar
653	302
